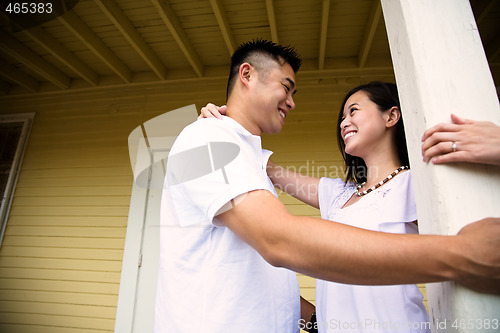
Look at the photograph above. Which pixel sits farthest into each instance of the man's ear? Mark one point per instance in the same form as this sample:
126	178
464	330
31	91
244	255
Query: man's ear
392	116
245	73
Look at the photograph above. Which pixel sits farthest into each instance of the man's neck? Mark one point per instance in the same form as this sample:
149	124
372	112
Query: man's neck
240	115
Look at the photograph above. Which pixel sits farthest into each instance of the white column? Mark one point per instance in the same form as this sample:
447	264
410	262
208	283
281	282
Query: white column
441	68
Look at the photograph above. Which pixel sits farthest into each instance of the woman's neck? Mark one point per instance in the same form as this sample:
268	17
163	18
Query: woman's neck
379	168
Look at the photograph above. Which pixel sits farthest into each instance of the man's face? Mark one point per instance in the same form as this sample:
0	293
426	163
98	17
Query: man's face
273	97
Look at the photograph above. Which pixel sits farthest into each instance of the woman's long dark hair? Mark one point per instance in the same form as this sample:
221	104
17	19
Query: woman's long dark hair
385	95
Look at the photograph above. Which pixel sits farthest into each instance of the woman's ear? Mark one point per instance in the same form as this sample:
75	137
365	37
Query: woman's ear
392	116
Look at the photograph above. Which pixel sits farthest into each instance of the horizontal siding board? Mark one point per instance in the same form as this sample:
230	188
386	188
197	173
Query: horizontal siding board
97	182
92	311
68	263
124	170
103	191
58	297
82	221
58	253
69	211
77	200
30	328
88	162
54	153
75	139
59	275
66	242
63	322
62	231
60	286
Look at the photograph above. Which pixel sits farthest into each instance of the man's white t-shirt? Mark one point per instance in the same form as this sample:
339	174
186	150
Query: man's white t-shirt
209	279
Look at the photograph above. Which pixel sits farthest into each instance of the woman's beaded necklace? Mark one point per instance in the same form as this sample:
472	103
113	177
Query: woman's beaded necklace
376	186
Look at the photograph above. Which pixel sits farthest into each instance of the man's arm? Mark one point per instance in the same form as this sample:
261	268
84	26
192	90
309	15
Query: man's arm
345	254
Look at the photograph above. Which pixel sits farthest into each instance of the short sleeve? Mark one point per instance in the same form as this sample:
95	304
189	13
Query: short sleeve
328	192
209	165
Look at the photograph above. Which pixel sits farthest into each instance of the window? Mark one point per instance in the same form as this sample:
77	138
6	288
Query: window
14	130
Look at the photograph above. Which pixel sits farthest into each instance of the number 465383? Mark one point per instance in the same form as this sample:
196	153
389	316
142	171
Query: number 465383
29	8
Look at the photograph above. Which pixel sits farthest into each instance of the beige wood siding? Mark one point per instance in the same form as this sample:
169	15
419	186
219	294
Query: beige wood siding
61	257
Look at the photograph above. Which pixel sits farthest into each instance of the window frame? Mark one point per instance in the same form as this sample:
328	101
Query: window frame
6	201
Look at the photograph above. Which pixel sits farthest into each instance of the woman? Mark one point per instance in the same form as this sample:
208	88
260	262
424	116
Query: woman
376	195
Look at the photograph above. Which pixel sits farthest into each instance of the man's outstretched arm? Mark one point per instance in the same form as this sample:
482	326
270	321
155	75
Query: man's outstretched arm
345	254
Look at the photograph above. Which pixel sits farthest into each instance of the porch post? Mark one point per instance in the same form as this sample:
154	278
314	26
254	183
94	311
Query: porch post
441	68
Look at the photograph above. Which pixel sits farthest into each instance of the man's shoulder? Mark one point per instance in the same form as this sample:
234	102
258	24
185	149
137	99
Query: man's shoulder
204	131
207	125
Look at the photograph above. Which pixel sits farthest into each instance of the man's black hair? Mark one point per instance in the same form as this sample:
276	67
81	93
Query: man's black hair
255	52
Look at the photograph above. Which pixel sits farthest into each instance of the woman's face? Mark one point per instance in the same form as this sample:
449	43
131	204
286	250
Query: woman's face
363	124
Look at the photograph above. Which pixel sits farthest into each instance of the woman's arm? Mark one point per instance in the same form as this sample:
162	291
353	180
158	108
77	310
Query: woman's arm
463	140
302	187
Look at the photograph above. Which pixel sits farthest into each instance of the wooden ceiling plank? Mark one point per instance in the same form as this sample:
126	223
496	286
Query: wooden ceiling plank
51	45
323	34
223	22
18	77
28	57
74	24
272	20
370	30
4	88
174	26
122	23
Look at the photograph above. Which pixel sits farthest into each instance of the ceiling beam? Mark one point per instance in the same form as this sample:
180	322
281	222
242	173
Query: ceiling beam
223	21
370	30
32	60
344	72
75	24
272	21
174	26
51	45
323	34
343	69
18	77
122	23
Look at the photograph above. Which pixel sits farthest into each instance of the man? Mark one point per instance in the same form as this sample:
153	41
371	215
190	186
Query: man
229	247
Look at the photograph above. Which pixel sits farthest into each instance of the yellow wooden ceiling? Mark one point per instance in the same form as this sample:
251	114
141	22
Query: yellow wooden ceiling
102	43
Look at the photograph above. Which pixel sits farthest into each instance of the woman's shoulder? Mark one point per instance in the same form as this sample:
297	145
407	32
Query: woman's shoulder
333	187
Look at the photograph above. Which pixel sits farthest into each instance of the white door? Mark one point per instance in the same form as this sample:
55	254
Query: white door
149	145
